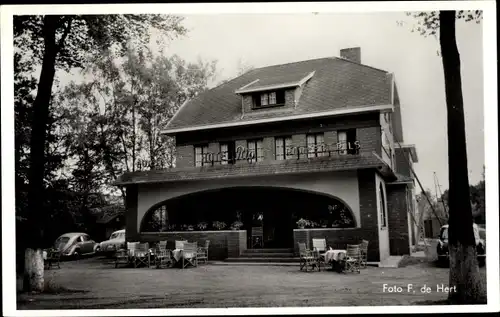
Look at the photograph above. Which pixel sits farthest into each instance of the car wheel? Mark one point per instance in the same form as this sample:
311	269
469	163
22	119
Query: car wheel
76	254
97	250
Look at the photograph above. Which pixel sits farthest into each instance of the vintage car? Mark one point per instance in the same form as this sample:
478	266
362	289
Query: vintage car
75	244
115	242
479	235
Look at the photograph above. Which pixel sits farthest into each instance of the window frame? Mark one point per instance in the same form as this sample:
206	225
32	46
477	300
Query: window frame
204	151
263	99
350	137
284	153
230	152
259	155
313	152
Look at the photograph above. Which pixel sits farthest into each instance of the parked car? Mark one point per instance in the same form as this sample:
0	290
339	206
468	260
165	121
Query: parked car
115	242
479	235
75	244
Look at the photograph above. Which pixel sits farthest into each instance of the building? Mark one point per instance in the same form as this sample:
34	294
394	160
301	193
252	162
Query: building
303	150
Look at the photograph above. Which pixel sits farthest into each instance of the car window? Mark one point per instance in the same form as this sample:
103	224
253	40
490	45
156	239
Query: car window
81	239
61	241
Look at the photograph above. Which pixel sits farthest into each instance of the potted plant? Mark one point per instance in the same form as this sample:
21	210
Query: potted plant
219	225
236	225
202	226
302	223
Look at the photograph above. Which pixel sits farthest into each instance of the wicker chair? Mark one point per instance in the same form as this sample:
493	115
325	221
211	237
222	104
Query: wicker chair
125	256
307	258
319	247
142	255
202	254
162	255
179	244
189	254
53	259
364	253
353	258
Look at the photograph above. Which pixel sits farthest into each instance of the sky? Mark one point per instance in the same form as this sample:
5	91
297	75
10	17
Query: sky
268	39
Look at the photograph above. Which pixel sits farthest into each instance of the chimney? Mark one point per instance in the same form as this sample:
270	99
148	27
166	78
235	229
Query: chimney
353	54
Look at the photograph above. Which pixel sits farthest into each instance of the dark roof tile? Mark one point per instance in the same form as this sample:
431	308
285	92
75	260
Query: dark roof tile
337	84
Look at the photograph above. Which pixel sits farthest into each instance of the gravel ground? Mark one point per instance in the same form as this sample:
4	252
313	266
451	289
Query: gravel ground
95	284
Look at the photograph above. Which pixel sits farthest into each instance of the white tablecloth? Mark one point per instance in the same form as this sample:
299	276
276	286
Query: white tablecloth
334	255
177	254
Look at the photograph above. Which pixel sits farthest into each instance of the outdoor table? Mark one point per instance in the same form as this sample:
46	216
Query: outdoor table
177	255
334	255
334	258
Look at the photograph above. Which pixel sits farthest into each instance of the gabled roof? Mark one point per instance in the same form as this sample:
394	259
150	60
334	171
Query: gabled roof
336	85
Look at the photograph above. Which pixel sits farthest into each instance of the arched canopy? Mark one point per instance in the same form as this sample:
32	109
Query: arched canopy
211	209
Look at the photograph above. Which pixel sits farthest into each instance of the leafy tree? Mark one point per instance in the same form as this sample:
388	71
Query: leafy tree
464	272
65	42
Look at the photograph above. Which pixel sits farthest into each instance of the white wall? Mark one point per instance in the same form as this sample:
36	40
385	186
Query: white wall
343	185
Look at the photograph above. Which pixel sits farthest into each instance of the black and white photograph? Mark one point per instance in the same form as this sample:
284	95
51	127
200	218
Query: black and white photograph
249	158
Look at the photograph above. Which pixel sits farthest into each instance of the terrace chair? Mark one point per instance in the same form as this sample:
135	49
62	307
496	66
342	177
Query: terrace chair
364	253
307	258
53	258
142	255
126	256
353	258
189	254
162	255
202	253
179	244
319	247
257	237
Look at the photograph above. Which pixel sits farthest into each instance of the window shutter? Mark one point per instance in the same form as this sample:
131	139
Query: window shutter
280	97
256	100
311	142
279	148
288	146
342	140
259	151
224	153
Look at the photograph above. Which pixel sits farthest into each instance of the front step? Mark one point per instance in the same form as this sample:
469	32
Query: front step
267	255
282	250
268	259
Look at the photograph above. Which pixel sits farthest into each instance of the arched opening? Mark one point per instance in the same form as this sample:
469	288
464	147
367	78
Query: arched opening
383	211
278	210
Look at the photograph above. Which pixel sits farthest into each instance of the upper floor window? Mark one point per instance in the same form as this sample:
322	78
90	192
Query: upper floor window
200	151
283	147
346	140
255	150
315	145
269	99
227	151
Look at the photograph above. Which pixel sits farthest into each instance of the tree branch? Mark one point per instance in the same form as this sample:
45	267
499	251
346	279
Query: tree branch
67	29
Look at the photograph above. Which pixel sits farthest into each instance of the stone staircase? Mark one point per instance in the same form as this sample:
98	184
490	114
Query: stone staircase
265	256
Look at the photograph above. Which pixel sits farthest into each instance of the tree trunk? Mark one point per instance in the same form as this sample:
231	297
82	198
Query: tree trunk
33	280
464	270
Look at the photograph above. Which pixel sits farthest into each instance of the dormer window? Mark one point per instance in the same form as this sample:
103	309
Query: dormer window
269	99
